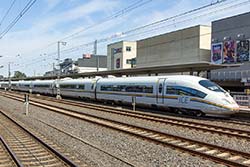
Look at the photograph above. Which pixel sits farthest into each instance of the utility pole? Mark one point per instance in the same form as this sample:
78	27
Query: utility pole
9	76
58	94
53	66
97	57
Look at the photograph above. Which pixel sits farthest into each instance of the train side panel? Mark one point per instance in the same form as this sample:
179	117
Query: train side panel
80	88
125	90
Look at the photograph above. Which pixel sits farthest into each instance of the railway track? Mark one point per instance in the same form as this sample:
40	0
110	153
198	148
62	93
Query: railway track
121	159
242	134
216	153
7	157
26	149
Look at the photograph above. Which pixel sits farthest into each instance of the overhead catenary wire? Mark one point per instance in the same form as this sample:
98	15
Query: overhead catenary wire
17	18
80	47
117	14
7	12
148	25
197	17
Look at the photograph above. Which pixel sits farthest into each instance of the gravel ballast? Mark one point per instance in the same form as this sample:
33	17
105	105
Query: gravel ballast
129	148
221	140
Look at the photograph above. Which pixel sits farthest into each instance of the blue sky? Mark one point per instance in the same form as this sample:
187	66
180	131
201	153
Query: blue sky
34	37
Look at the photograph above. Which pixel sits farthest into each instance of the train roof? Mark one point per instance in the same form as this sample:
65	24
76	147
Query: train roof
76	81
153	78
138	79
42	82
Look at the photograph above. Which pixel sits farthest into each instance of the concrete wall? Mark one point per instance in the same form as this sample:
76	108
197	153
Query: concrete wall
92	62
231	27
183	46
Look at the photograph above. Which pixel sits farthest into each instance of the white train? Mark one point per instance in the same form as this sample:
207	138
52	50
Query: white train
182	93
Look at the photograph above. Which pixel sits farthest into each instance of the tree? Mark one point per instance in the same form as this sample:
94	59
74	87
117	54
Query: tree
19	74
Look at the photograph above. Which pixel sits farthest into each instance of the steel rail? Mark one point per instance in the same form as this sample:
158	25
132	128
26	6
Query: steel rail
58	154
216	153
172	121
12	154
244	134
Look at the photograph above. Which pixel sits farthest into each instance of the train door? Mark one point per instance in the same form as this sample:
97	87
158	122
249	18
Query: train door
160	91
94	88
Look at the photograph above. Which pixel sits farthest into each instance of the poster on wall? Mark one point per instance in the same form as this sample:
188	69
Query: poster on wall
229	55
117	50
242	52
216	53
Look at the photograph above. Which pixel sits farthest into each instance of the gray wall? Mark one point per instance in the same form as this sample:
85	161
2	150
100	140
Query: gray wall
183	46
92	62
231	27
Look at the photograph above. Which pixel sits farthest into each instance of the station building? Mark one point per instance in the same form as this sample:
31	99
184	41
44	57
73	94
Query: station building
121	55
90	64
167	51
190	45
230	45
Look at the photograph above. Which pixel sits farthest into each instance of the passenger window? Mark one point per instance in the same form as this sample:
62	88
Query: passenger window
81	87
180	90
160	88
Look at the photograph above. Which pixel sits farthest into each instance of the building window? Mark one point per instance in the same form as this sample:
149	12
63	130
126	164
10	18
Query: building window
131	61
118	63
128	48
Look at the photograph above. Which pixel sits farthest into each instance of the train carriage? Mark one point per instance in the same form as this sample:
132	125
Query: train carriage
199	95
24	86
42	87
124	90
4	85
80	88
188	94
182	93
14	85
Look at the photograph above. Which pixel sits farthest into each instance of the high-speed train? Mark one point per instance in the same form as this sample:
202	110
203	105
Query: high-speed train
181	93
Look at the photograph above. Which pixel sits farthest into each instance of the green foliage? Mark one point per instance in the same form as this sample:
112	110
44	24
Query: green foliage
19	74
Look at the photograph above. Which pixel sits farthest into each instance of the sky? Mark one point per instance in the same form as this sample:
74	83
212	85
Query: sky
31	45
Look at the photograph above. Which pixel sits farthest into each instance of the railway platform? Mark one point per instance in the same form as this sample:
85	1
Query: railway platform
244	111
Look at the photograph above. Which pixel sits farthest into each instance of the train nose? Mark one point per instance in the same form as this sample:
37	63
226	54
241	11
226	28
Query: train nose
236	107
233	108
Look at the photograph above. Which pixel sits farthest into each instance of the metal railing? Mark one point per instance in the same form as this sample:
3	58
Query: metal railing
242	100
230	75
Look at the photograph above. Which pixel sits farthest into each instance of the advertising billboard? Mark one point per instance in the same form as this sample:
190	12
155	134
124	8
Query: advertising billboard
216	53
242	52
117	50
229	55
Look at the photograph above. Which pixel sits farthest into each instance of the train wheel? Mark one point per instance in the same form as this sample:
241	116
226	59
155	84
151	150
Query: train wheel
200	114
